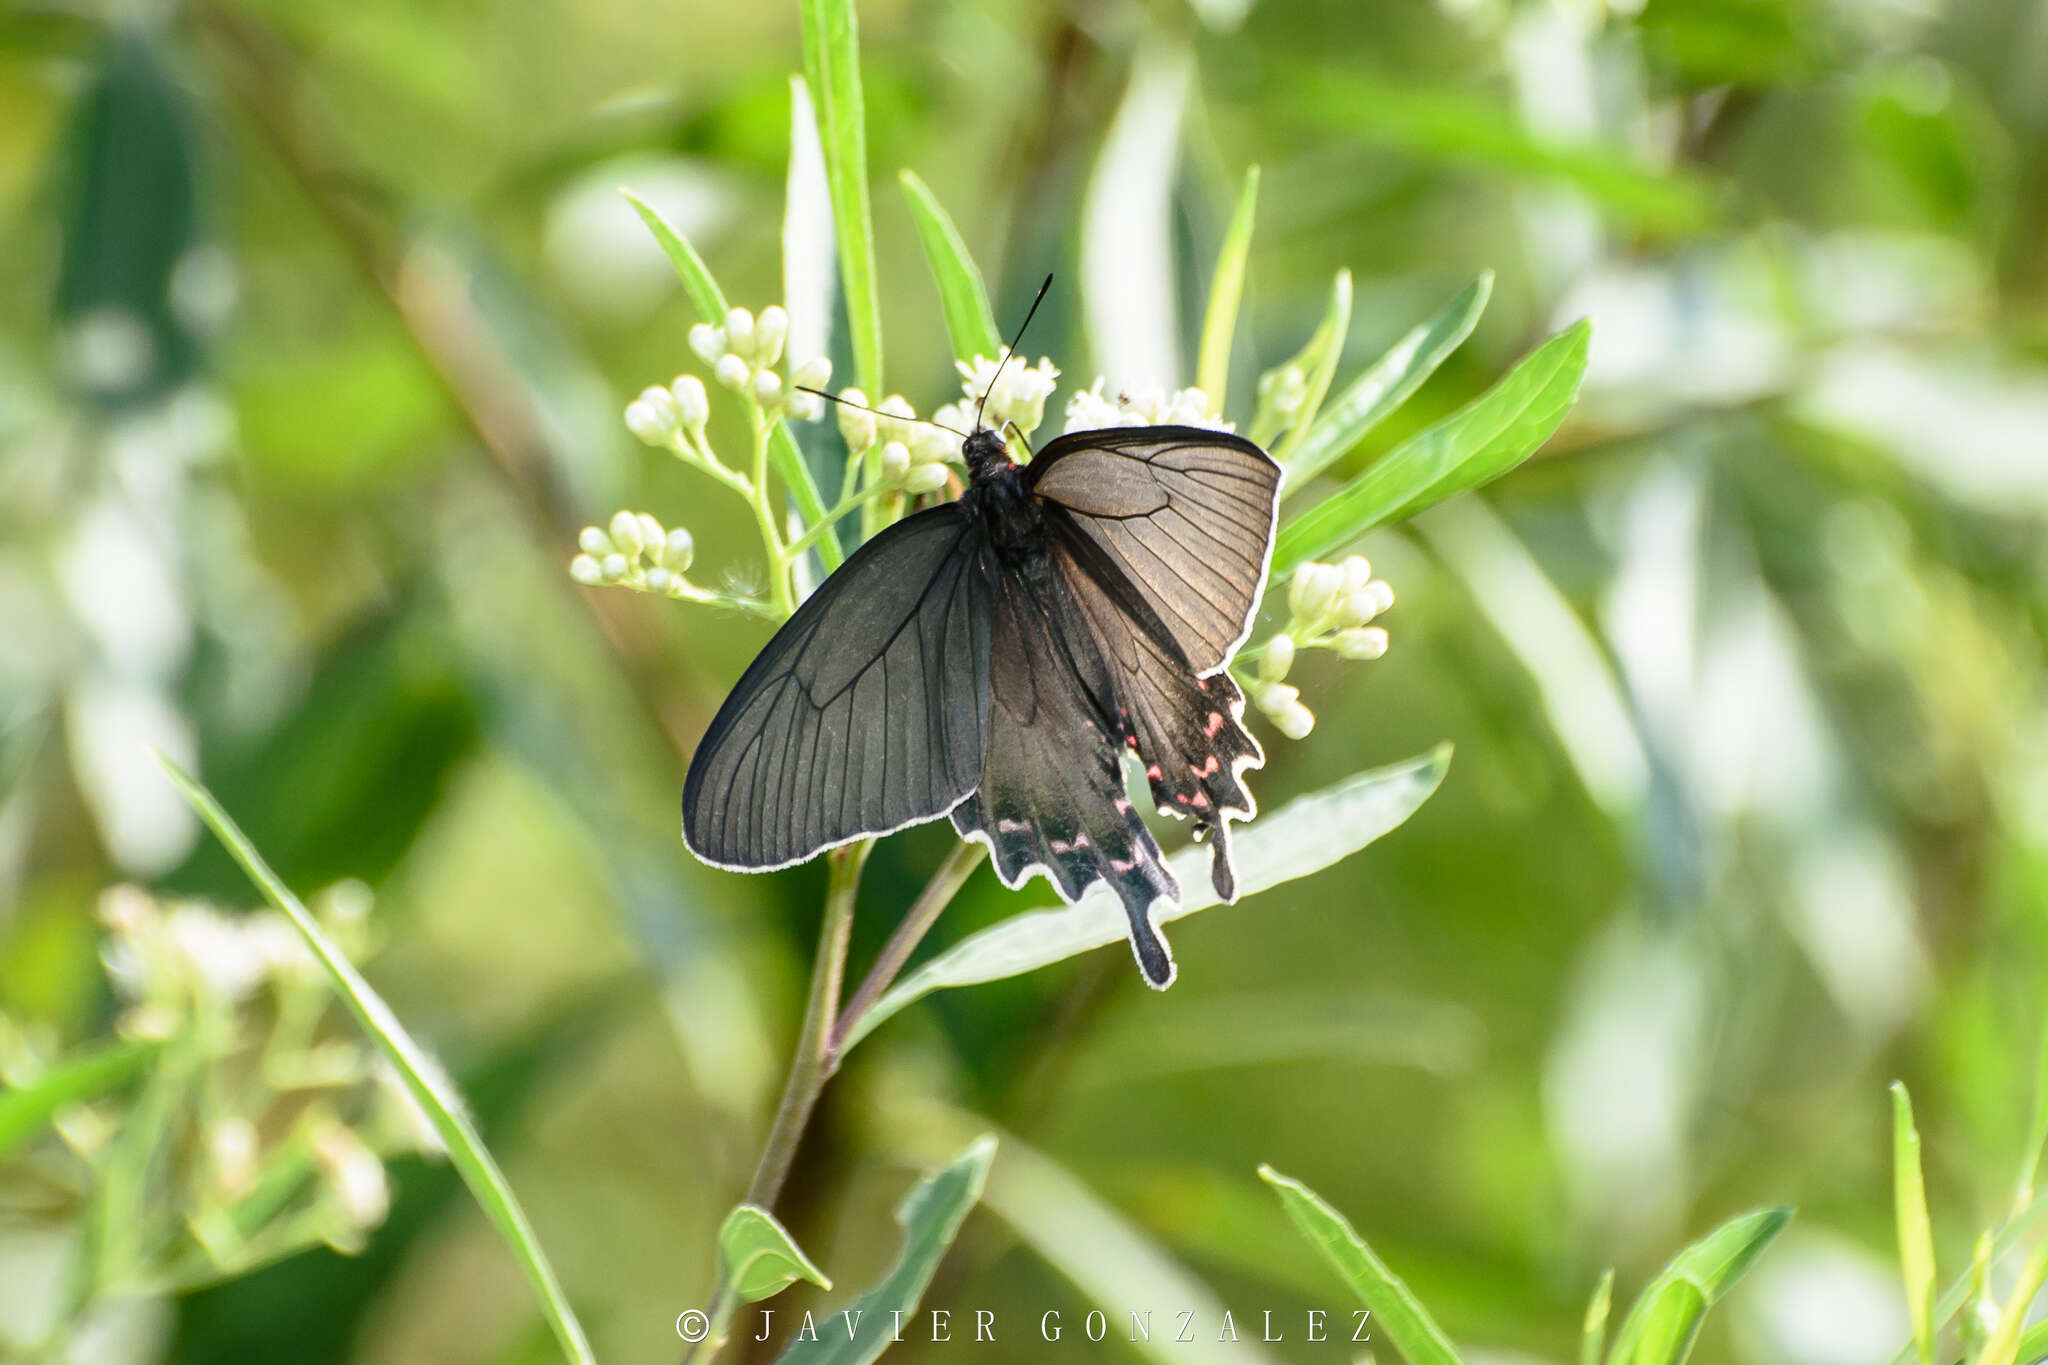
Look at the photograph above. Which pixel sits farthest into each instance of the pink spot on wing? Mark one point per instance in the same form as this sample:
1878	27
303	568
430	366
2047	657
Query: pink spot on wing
1215	724
1199	800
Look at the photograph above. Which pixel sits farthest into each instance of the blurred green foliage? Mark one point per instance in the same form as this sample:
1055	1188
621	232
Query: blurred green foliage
315	326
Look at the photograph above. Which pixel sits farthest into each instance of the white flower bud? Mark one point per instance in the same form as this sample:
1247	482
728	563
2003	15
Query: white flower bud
613	568
595	542
855	426
1314	590
925	478
1382	593
895	462
626	534
1357	573
814	373
1369	642
730	372
1278	658
355	1177
1359	608
651	534
739	333
896	407
708	342
231	1150
693	405
1276	697
768	388
771	329
658	579
805	407
586	570
646	424
678	550
1295	721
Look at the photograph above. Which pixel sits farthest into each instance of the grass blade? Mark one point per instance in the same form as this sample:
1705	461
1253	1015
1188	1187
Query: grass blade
1226	290
930	1217
2002	1347
1916	1238
1593	1334
1489	436
1319	358
832	66
1388	383
1299	839
711	306
1661	1327
962	294
25	1111
423	1077
1394	1306
2037	1134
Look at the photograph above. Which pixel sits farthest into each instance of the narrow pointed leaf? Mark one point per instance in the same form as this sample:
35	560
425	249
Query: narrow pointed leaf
428	1085
1319	358
832	66
1593	1334
1916	1238
1301	838
1483	440
1395	1309
1388	383
759	1258
27	1109
930	1217
1662	1326
1226	291
2002	1347
962	294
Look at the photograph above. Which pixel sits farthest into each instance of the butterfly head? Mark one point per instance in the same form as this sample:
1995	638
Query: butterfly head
985	453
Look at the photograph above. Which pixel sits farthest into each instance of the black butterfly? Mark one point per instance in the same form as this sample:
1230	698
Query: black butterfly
994	657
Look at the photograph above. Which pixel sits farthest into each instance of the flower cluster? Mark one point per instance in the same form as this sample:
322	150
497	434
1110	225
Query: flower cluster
1330	606
1088	409
636	552
898	452
743	354
266	1117
1016	393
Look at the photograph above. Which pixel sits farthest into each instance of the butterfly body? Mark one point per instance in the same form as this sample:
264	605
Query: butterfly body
995	658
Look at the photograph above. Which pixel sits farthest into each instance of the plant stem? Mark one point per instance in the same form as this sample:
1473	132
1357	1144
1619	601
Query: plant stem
924	913
824	524
771	539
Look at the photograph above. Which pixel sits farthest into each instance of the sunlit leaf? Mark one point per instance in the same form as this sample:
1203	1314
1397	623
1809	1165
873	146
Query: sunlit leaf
1226	290
1662	1326
832	67
1387	383
969	319
1295	841
930	1217
1395	1309
424	1080
1318	360
2002	1345
1916	1237
1489	436
759	1258
1593	1331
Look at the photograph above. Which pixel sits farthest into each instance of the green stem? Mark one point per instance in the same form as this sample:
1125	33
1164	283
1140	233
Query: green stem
845	506
779	593
924	913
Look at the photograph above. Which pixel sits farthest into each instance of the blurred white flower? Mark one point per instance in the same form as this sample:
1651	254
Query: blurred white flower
1019	391
1089	409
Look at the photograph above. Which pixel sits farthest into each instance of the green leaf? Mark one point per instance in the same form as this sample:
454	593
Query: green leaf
969	320
2037	1133
1489	436
24	1111
1916	1237
709	301
1389	382
1395	1309
1319	360
2003	1345
1661	1327
1593	1334
1303	837
832	66
1226	290
759	1258
930	1217
424	1080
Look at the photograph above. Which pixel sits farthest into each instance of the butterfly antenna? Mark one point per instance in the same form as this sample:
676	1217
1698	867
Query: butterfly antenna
1011	352
892	416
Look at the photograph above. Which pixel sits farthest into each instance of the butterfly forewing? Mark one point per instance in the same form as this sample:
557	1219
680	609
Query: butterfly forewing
866	712
1185	513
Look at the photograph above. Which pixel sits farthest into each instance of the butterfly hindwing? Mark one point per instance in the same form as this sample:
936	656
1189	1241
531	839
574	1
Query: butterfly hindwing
866	712
1187	515
1052	796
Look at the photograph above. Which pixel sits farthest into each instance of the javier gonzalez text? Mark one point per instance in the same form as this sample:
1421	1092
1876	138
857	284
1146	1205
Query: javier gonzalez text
982	1325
